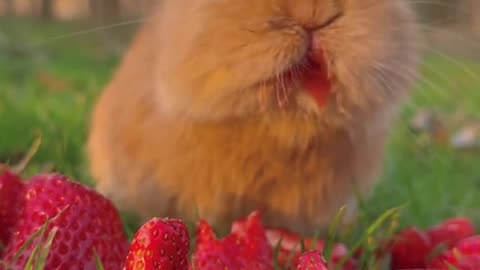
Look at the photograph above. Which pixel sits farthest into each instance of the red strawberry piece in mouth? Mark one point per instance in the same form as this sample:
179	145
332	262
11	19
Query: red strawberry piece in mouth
316	80
313	75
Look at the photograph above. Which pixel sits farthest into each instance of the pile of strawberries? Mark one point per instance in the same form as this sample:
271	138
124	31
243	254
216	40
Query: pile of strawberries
452	244
51	222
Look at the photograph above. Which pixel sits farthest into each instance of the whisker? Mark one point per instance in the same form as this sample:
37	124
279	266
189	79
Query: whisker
421	78
459	65
468	71
277	91
439	4
263	96
89	31
411	105
455	34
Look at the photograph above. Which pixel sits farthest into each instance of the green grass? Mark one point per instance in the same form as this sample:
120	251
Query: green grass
436	182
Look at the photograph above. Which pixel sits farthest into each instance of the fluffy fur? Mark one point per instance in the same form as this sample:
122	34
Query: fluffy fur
198	121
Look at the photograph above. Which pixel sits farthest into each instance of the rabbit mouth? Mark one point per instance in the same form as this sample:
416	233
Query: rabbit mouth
316	81
310	75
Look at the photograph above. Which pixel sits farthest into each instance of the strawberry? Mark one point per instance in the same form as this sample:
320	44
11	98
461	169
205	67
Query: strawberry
245	248
290	245
465	255
251	229
410	249
290	249
451	231
85	222
313	260
160	244
11	189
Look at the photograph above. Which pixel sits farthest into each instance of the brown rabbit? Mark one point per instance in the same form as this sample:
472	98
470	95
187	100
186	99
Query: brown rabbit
222	107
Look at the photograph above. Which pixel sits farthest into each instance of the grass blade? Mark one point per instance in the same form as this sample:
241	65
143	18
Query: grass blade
33	257
451	267
370	230
382	220
42	260
315	239
293	252
23	164
25	245
332	233
276	254
38	233
30	262
98	261
303	248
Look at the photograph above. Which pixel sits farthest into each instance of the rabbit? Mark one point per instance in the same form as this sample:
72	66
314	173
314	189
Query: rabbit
223	107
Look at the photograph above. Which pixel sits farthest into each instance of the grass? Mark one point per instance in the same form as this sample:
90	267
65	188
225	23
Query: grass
48	87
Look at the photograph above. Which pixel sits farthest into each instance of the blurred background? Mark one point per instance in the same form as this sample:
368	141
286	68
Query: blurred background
57	55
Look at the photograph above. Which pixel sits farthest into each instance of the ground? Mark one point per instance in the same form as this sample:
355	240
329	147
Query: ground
50	77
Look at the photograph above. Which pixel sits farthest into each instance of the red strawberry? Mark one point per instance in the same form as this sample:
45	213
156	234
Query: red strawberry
245	248
160	244
451	231
251	229
470	245
290	245
465	255
87	223
410	249
313	260
11	190
290	248
469	262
